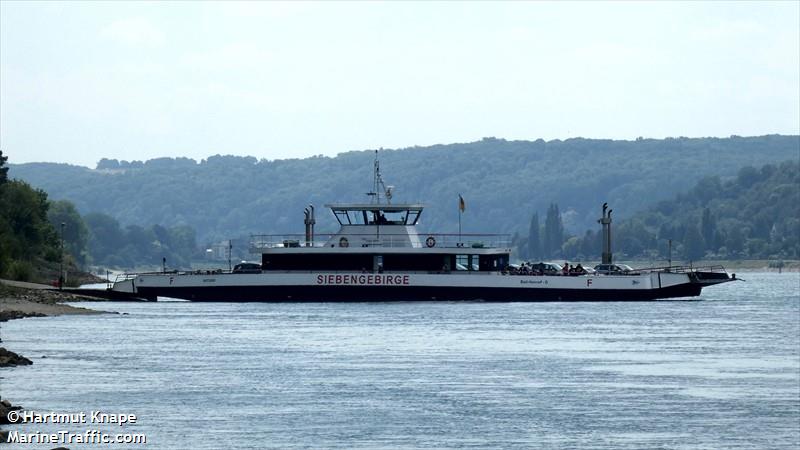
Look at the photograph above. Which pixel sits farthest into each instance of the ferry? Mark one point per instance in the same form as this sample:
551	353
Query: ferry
378	254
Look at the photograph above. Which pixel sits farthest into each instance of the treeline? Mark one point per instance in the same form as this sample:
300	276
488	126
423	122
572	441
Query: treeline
224	197
112	245
755	215
27	238
34	228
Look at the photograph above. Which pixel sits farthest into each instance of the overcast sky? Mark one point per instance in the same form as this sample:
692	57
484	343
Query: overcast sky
83	81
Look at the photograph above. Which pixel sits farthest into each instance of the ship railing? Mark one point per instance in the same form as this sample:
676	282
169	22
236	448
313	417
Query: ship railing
259	242
125	276
120	277
385	272
129	276
684	268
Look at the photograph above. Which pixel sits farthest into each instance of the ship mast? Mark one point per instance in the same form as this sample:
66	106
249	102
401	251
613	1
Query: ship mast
378	185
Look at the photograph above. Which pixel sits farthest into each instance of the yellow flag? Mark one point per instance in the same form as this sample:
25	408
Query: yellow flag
461	205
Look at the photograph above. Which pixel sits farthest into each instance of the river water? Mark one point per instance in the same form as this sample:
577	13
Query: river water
721	372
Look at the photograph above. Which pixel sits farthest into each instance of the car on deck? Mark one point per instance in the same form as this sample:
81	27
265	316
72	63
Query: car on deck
247	267
614	269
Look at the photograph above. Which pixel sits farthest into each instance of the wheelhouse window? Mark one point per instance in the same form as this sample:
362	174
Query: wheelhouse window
343	217
387	217
377	214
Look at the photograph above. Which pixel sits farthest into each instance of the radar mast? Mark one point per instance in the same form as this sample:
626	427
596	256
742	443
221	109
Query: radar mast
378	185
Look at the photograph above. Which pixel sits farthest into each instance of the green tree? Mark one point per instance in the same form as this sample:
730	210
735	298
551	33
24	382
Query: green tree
140	245
634	238
591	247
24	215
25	234
735	241
706	189
693	244
534	242
520	244
748	176
106	238
3	169
136	246
76	234
163	239
708	227
184	240
553	233
571	248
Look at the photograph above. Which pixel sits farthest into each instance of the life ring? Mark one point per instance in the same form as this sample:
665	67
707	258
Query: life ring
430	242
343	242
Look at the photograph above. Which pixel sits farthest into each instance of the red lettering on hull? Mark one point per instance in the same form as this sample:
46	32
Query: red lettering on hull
363	280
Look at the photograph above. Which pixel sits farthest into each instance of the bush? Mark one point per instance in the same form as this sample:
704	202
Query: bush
20	271
4	263
52	254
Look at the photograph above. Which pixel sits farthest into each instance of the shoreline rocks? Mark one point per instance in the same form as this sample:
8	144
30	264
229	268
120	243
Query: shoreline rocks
11	359
5	408
19	304
5	316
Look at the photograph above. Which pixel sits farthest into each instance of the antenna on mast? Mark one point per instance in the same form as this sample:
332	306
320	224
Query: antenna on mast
378	184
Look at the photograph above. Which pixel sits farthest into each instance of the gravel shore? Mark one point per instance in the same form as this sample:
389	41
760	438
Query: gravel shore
18	300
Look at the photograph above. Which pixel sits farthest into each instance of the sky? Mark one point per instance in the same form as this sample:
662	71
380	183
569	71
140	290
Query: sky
141	80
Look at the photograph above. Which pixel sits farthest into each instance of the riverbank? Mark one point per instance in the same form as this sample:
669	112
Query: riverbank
18	300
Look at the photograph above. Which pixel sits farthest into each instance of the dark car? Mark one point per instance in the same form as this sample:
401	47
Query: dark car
614	269
247	268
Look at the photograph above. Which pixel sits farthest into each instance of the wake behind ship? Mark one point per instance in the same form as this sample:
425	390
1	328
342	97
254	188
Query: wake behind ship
378	254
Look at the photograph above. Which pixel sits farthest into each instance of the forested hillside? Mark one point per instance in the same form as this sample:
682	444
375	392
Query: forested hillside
755	215
503	183
39	237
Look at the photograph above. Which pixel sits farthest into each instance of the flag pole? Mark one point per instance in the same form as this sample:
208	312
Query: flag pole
459	225
460	212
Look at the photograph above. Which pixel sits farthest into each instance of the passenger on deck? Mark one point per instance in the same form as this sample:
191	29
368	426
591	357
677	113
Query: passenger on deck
565	269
